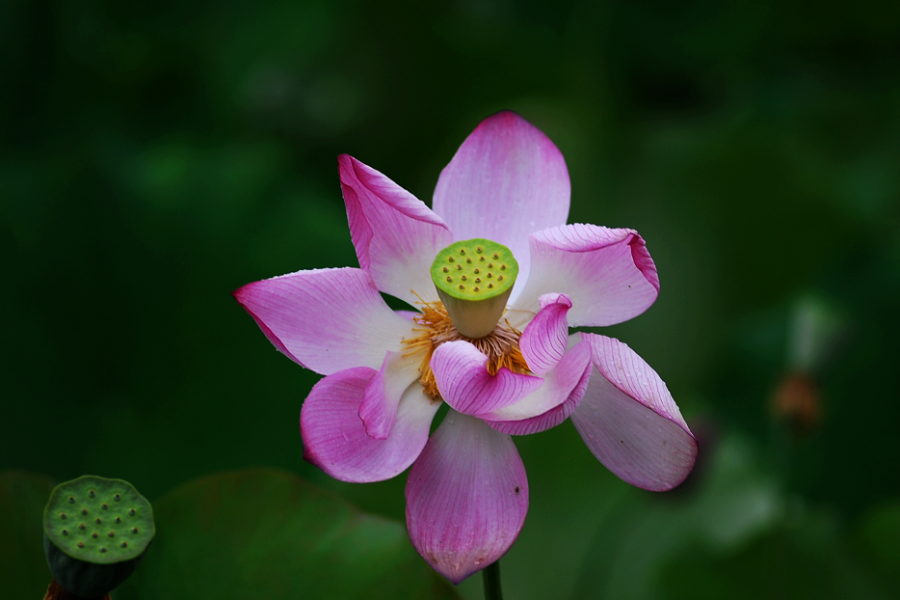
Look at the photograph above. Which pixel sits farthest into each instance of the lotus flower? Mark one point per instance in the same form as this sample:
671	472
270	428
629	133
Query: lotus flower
504	198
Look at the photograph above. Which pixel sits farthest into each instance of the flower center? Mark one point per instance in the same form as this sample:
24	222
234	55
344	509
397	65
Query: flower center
436	327
474	279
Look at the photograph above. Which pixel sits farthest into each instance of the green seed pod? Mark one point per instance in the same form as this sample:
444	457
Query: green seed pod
474	279
96	531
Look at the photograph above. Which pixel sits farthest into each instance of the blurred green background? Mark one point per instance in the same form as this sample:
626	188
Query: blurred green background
156	156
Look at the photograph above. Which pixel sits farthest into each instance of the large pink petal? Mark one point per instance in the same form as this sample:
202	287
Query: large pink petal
545	339
396	236
607	273
466	497
378	410
460	370
335	439
505	181
630	422
327	320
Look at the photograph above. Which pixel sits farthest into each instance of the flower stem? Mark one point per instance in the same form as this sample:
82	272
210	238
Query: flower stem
491	575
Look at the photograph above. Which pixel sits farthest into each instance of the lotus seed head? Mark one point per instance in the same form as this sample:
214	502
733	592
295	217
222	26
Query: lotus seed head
473	308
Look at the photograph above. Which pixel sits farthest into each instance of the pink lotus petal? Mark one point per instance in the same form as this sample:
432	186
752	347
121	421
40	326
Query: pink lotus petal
335	439
630	422
396	236
466	497
378	410
327	320
460	370
551	404
505	181
607	273
544	341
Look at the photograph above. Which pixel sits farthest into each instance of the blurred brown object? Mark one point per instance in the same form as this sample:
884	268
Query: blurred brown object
798	403
58	592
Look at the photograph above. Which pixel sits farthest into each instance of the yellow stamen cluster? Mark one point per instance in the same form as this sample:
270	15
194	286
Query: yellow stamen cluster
501	346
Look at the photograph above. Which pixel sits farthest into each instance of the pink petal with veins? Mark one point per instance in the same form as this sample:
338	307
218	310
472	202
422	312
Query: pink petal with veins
466	497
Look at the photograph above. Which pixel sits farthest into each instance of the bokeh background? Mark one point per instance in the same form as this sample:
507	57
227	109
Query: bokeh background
155	156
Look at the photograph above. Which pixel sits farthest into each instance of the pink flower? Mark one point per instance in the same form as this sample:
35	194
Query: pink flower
386	373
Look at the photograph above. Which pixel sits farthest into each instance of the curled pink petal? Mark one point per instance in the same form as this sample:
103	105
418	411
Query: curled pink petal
505	181
460	370
607	273
327	320
378	410
553	402
335	439
630	422
466	497
545	339
396	236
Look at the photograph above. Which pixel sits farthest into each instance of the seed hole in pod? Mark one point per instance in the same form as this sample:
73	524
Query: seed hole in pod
118	520
480	259
477	271
490	286
131	512
462	287
117	497
81	526
94	535
71	500
496	256
449	279
111	534
477	289
463	277
104	506
62	515
124	544
459	267
98	520
92	493
490	275
450	259
462	251
500	278
446	270
84	511
102	548
65	532
134	530
469	261
81	544
502	267
490	265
